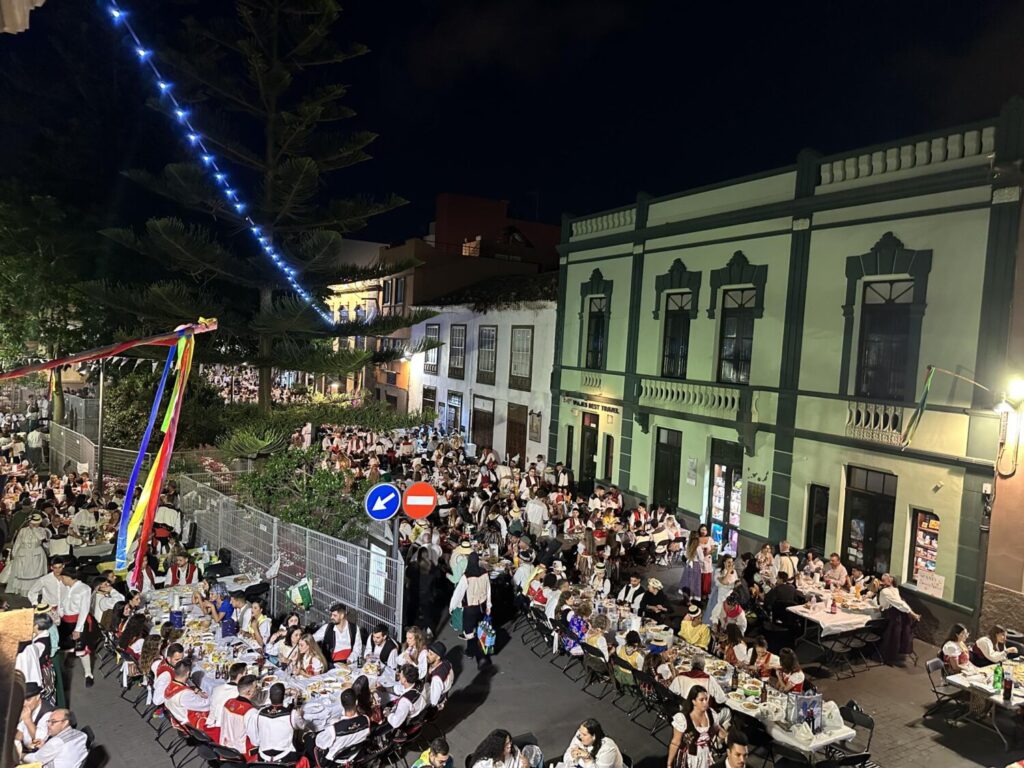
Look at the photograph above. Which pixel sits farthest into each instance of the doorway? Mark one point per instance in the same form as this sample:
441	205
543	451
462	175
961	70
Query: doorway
453	415
483	423
868	520
570	446
817	517
668	457
515	433
588	453
726	495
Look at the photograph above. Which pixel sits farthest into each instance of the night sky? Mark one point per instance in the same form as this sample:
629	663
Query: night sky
575	105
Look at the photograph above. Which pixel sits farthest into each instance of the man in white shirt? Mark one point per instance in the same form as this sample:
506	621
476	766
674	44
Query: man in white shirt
682	683
184	703
78	629
835	574
411	700
223	692
632	593
339	638
382	647
49	588
343	734
786	561
65	747
889	597
163	671
898	637
238	718
167	516
104	598
35	717
275	726
440	675
536	514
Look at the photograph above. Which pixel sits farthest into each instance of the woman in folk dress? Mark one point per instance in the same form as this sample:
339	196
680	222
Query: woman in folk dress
28	556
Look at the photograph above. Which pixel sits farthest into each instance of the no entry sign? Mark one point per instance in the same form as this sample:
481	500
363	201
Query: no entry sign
419	500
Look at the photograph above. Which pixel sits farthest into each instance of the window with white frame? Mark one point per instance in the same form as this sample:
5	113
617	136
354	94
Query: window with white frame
487	354
433	336
521	358
457	352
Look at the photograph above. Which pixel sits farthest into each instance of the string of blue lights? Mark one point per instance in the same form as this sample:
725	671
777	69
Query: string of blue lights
195	141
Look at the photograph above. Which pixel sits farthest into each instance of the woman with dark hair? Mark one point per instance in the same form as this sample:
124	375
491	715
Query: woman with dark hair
735	651
689	582
497	751
693	731
789	676
991	648
135	631
590	748
955	651
366	702
473	595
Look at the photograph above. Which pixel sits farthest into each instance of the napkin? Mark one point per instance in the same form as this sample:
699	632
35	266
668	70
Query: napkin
830	715
803	733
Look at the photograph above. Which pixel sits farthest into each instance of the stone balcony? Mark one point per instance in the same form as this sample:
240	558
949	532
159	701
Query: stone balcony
875	422
716	400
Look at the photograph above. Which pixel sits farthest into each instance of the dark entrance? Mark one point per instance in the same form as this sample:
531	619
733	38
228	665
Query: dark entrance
726	495
868	519
817	517
483	423
515	433
588	453
668	457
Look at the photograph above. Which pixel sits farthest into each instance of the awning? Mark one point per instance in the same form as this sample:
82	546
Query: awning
14	14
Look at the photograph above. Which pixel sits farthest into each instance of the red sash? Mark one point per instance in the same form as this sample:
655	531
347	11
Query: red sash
162	667
340	655
195	718
537	595
733	612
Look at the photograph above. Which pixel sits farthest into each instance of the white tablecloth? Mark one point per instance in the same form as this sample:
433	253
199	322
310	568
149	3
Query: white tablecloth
831	623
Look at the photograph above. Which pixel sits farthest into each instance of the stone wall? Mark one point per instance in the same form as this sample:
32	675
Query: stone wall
1001	606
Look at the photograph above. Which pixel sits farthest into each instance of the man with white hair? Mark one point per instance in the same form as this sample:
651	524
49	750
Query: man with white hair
786	561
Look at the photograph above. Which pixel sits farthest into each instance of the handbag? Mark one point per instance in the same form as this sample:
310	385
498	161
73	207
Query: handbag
485	636
456	620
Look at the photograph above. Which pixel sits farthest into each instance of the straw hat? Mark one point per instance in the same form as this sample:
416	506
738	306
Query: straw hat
655	584
693	610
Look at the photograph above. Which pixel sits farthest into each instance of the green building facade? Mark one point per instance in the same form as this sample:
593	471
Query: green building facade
749	353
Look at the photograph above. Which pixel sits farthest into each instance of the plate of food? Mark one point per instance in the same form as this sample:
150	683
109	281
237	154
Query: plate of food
750	706
371	668
736	696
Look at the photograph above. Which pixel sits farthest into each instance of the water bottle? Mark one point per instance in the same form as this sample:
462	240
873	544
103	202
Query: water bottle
997	677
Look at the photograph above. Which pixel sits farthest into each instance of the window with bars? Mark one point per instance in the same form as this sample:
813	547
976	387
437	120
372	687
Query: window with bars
432	355
736	340
457	352
399	291
597	332
520	370
676	337
429	399
487	354
884	339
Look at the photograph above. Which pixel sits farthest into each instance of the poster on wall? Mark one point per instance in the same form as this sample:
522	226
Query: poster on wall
691	470
378	577
534	427
931	583
755	499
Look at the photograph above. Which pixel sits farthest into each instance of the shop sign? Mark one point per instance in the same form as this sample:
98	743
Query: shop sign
590	405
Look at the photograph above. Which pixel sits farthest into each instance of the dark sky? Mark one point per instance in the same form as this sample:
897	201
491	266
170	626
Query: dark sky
581	103
575	105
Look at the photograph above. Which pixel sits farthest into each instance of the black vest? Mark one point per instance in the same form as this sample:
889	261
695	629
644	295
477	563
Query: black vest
349	725
274	711
387	649
441	671
327	645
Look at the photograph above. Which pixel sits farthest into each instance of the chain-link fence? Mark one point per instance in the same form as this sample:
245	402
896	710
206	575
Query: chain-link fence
368	580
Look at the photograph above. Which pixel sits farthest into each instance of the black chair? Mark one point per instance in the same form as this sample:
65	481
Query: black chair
837	655
565	631
625	685
871	636
256	590
859	760
944	692
649	689
597	670
760	743
860	721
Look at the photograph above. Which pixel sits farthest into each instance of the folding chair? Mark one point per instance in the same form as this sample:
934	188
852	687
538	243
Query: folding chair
597	670
944	692
625	685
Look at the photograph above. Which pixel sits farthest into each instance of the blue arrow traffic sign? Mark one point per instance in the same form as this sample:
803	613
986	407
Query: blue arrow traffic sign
382	501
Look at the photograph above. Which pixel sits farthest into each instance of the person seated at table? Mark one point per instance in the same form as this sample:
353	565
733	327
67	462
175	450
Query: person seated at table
736	750
497	751
339	638
789	677
782	595
654	604
367	700
224	692
600	582
309	661
991	648
858	577
955	652
381	647
836	574
729	612
693	732
684	681
186	703
238	720
275	727
241	611
595	638
764	661
218	607
632	651
734	649
631	593
104	598
437	755
591	748
350	730
182	571
693	630
813	565
283	630
440	675
84	523
257	628
64	747
415	650
36	712
410	700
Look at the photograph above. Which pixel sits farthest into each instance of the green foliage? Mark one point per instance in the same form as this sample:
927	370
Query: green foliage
291	486
254	443
129	396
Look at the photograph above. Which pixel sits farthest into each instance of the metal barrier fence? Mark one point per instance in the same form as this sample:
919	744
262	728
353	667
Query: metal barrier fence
368	580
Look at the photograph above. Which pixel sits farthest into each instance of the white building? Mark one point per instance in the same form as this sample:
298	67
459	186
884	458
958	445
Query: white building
491	376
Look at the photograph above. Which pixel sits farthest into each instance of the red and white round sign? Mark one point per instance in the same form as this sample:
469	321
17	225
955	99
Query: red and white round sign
419	500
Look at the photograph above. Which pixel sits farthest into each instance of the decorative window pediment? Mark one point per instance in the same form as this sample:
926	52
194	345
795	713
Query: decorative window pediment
739	271
678	278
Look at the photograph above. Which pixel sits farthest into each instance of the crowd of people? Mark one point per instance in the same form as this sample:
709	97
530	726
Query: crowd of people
241	384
